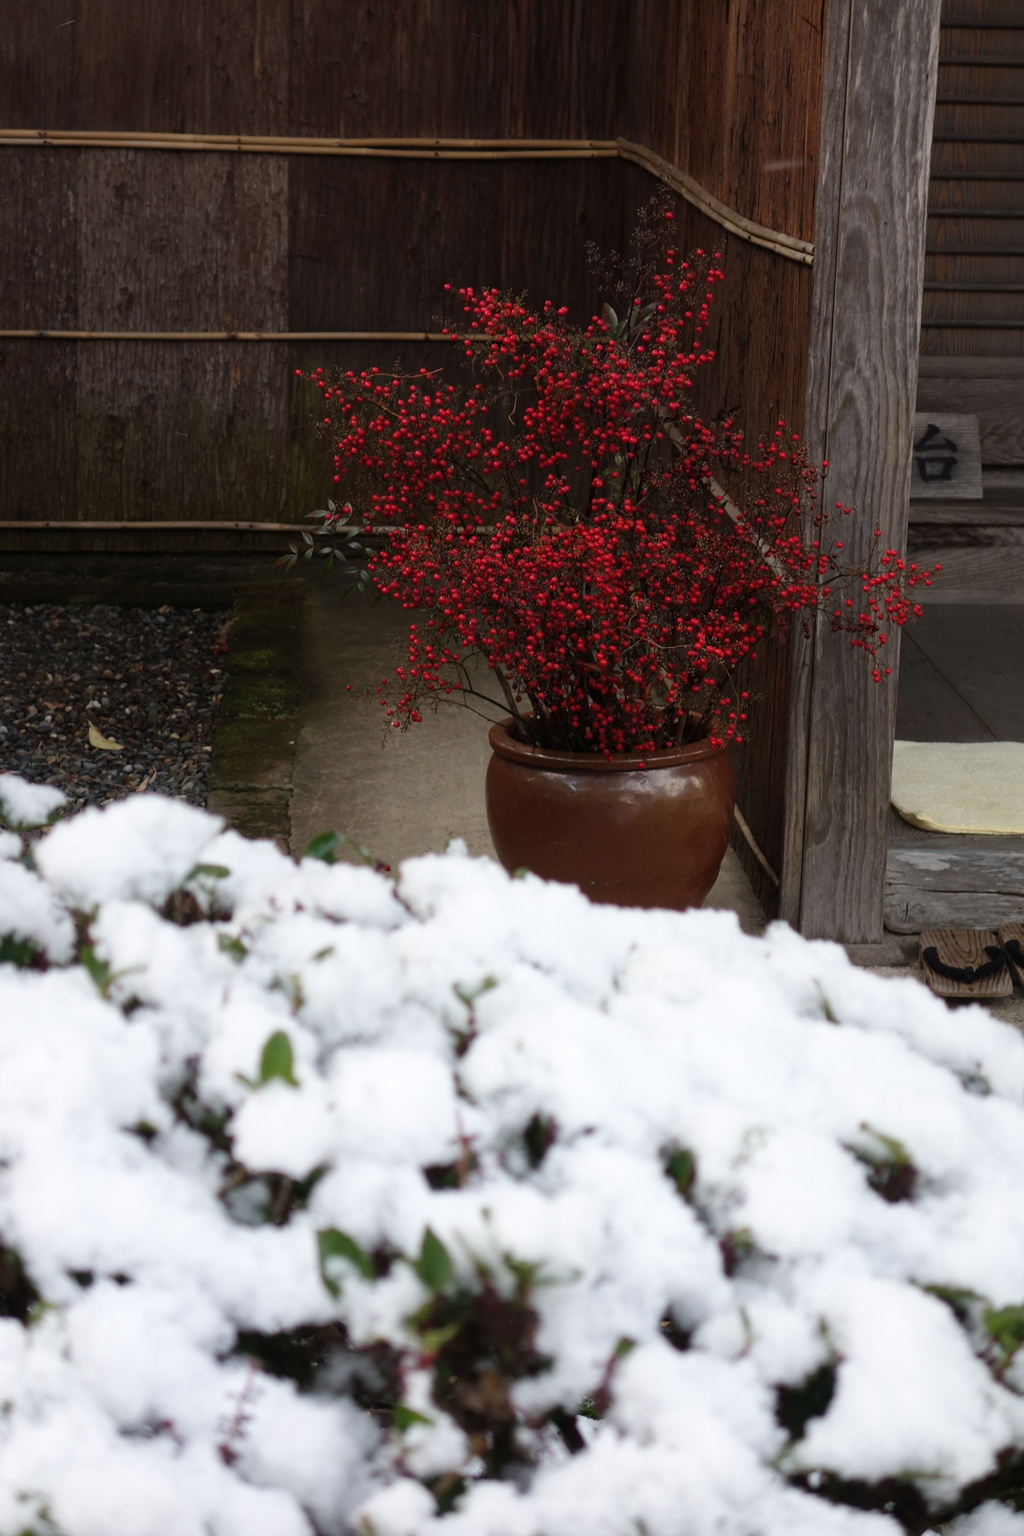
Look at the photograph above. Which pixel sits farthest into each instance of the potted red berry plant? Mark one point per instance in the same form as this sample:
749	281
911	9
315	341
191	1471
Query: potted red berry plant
572	531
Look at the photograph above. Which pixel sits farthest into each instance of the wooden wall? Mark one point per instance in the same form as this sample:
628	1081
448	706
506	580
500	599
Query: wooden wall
735	101
139	239
147	240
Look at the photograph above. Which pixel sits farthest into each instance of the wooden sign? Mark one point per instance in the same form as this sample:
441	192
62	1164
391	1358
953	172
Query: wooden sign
946	458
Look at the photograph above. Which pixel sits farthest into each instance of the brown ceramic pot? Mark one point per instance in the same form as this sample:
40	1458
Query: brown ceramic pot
651	836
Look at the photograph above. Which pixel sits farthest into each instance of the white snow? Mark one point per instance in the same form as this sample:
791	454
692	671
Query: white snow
26	805
655	1146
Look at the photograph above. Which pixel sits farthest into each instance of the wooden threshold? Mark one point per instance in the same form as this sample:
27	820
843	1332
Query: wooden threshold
945	880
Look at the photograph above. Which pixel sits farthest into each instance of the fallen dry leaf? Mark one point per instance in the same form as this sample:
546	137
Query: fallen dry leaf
97	739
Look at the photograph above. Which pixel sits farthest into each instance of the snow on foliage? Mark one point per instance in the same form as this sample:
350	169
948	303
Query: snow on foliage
457	1206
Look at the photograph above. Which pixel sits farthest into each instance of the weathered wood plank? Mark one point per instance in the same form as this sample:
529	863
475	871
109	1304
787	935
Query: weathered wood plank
986	561
869	240
996	507
940	880
963	894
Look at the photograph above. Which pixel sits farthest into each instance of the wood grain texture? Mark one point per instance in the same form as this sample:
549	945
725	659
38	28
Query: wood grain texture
940	880
869	240
996	506
755	66
1011	937
986	560
196	66
976	249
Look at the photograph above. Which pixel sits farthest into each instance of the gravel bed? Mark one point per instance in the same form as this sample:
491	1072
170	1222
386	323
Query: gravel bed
148	679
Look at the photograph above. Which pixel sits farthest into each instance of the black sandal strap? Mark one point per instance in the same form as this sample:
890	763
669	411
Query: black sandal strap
1013	949
967	973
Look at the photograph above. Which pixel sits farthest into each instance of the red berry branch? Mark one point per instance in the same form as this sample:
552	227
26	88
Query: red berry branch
562	518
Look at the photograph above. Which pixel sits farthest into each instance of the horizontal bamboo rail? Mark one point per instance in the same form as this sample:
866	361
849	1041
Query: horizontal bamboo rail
233	336
130	524
267	144
421	149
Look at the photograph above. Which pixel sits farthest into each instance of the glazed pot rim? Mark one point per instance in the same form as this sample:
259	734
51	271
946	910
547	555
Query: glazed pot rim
506	745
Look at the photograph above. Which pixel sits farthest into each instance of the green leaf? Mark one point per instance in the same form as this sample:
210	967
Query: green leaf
434	1266
895	1152
229	945
469	995
207	872
433	1340
338	1245
405	1418
98	969
956	1297
682	1170
18	952
1005	1325
323	846
277	1060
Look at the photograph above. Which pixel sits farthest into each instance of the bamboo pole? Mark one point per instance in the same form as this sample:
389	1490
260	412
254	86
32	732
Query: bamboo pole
129	525
728	218
423	149
281	336
294	144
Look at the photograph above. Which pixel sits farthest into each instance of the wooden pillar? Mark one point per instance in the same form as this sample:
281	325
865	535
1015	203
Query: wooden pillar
881	61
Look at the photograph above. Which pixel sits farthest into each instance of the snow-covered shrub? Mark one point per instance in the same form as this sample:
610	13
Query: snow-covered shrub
457	1206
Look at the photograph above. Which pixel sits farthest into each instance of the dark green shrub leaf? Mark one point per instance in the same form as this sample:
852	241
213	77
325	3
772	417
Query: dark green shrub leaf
208	872
17	952
433	1340
956	1297
682	1170
469	995
277	1060
1005	1326
98	969
434	1266
891	1171
322	847
338	1245
405	1418
229	945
